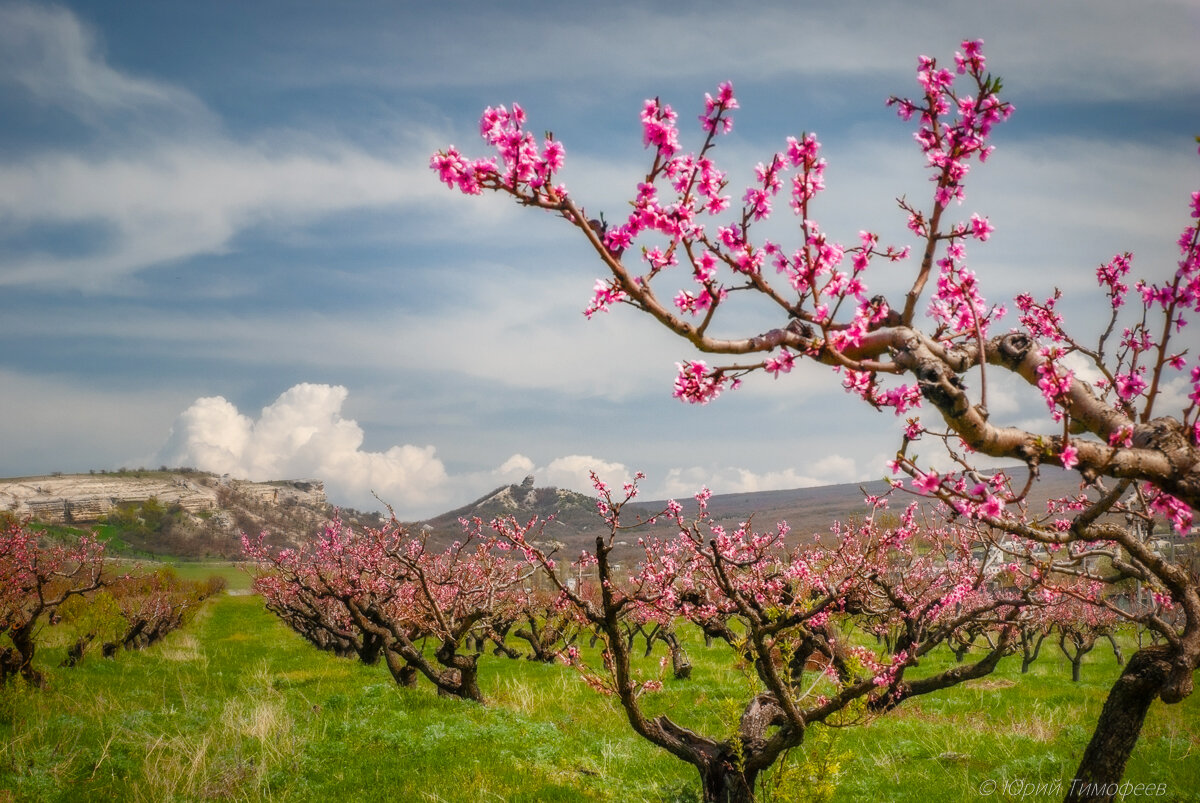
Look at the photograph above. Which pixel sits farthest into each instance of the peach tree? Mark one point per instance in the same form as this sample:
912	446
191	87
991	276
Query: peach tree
688	248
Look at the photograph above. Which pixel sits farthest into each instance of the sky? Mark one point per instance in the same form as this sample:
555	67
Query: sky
221	245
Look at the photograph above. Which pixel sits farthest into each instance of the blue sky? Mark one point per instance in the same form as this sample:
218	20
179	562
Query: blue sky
221	246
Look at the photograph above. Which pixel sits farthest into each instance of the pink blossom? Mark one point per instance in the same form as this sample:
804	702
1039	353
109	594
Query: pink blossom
781	363
696	384
1129	385
1122	436
605	295
1069	456
981	228
992	507
658	127
715	108
971	58
1178	512
927	483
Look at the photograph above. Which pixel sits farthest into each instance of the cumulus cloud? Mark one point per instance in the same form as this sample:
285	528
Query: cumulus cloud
303	434
574	472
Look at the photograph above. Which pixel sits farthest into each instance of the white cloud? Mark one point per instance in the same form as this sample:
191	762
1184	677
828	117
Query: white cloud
176	201
830	470
159	180
302	434
574	472
516	464
48	52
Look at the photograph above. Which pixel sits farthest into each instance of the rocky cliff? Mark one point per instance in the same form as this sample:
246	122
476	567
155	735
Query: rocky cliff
89	498
184	513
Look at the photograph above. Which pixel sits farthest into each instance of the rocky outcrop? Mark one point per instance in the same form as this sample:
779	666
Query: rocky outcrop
88	498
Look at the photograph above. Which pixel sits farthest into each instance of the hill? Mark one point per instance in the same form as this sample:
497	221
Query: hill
575	520
811	510
180	512
189	513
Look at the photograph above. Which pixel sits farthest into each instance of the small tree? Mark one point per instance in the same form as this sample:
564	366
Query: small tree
1131	457
382	591
783	611
35	579
1080	624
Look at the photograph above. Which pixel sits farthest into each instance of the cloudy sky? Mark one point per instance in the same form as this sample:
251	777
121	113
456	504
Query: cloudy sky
221	245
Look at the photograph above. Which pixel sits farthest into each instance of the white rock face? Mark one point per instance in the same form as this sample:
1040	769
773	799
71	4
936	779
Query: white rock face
85	498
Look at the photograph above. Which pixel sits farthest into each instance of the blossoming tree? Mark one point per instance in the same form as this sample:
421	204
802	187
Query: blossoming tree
783	611
35	579
687	248
383	592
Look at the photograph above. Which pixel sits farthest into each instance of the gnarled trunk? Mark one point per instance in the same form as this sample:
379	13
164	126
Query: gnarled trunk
404	673
1103	765
1030	647
18	659
722	782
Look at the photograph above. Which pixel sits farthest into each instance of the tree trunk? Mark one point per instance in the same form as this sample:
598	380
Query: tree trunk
1030	647
1083	644
722	782
1120	656
19	657
461	677
1103	765
681	665
404	673
75	651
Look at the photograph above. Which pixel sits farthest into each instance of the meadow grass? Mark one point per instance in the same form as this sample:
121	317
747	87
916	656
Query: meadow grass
236	707
236	575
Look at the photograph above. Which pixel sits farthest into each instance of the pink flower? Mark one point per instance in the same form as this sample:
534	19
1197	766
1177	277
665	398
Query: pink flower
1129	385
696	384
927	483
992	507
605	295
1069	456
1121	437
981	229
781	363
658	127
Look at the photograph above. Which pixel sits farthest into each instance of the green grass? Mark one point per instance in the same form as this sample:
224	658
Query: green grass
236	576
235	707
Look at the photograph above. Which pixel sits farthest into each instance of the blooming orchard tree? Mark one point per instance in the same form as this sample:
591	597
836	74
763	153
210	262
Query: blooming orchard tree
35	579
382	591
784	611
1080	623
688	247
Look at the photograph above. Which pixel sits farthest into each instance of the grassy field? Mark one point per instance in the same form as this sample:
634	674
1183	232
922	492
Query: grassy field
236	707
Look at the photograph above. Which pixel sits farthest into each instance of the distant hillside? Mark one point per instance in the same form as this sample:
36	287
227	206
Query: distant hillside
812	510
575	516
195	514
181	512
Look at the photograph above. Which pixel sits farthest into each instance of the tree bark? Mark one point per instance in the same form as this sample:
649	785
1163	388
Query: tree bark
722	782
1103	765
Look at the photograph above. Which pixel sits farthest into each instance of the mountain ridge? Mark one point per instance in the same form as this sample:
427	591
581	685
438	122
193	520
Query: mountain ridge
201	514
